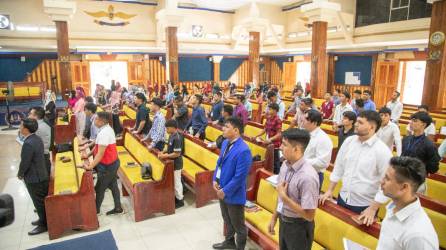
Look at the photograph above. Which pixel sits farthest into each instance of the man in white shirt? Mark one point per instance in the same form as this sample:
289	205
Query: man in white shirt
430	130
406	224
395	106
389	132
299	118
318	151
361	164
273	98
340	109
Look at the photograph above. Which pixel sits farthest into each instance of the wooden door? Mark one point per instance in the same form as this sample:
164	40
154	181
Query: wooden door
289	75
135	73
80	73
386	81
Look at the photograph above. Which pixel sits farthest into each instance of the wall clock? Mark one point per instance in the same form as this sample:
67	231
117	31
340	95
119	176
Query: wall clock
437	38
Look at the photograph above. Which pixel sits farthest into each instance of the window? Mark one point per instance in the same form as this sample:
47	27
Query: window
412	82
104	72
303	73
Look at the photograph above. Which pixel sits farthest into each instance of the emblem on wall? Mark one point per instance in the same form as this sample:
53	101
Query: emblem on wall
112	15
437	38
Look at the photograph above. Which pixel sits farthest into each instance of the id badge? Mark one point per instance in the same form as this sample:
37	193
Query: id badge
218	173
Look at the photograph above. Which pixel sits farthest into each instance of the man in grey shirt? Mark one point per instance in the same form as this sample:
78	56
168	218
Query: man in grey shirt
44	132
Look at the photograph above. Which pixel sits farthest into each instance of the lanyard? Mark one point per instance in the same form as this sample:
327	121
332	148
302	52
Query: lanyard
413	143
288	180
225	153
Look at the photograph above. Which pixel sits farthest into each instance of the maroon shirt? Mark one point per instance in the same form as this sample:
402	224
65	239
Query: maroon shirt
273	126
327	109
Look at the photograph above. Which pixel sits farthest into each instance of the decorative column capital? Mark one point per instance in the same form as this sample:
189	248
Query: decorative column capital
59	10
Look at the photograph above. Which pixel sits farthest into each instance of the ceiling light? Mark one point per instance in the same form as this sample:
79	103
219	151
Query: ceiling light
1	47
292	35
48	29
27	28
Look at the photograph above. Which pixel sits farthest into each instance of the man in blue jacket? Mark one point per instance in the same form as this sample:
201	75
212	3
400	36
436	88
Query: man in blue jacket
230	183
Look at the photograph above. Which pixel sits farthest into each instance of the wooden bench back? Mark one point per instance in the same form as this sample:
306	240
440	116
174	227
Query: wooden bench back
206	158
142	154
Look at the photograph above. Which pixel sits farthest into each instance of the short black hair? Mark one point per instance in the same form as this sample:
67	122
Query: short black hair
299	88
350	115
385	110
104	116
158	102
307	101
274	106
423	117
39	111
409	169
338	90
359	103
91	107
219	93
236	123
423	106
30	124
271	93
89	99
228	109
367	92
397	93
297	136
199	98
141	96
371	116
357	91
171	123
346	94
314	116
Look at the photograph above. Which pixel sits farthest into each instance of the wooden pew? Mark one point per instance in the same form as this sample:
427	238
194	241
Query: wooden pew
435	209
332	222
71	202
127	116
64	132
148	197
266	152
199	163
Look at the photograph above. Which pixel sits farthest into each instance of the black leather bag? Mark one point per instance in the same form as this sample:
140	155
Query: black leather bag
60	148
146	171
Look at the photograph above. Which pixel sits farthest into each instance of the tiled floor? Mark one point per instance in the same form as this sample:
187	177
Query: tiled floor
189	228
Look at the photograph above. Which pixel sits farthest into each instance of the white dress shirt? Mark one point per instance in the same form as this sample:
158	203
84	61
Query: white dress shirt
390	135
318	151
397	110
408	229
339	111
361	167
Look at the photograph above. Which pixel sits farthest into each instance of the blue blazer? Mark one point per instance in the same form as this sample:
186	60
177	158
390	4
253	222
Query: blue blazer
234	171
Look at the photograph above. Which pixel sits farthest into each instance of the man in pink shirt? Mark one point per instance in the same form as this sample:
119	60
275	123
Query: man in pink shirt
240	110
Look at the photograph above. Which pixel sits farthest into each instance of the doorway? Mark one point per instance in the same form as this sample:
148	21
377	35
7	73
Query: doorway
411	81
104	72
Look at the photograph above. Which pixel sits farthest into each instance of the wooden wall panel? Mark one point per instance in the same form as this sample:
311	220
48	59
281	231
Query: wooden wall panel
276	73
241	76
44	72
157	73
289	75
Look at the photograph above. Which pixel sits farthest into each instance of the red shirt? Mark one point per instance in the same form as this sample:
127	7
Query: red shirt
106	137
327	109
273	126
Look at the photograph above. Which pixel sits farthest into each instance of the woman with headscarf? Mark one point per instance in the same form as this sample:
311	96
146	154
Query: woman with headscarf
113	106
72	100
78	111
50	107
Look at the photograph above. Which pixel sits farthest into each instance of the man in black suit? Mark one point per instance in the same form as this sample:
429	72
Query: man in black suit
33	171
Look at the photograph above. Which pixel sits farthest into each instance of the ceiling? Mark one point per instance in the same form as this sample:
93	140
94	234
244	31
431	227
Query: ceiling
234	4
225	5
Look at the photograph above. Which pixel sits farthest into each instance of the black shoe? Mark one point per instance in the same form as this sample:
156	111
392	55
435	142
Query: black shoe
38	230
36	223
230	244
179	203
115	211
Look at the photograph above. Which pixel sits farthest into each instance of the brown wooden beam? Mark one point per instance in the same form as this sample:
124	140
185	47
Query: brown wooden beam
254	57
216	71
172	54
435	76
319	60
63	54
